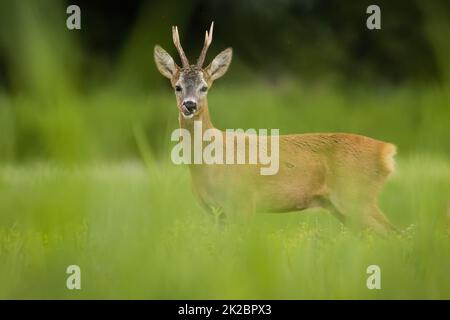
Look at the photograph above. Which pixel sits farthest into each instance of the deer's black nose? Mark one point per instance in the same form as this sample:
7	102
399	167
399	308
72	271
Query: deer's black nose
190	105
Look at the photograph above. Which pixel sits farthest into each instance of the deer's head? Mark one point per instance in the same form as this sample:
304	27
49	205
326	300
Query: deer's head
191	82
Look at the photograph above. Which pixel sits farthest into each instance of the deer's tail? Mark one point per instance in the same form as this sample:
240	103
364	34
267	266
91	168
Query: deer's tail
387	154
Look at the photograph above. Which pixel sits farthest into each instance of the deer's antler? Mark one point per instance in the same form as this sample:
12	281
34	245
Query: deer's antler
208	40
176	42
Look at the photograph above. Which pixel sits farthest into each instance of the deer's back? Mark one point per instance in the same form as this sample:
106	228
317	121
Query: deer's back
340	151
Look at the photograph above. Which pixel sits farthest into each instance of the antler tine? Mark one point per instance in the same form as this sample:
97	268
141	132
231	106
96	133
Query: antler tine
208	40
177	43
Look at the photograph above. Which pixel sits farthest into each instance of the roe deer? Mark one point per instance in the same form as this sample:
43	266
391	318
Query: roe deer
340	172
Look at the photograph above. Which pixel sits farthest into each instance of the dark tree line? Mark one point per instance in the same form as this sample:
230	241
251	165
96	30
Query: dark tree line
309	38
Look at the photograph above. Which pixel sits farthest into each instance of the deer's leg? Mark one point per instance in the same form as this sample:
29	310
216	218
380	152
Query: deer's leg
356	199
376	213
357	214
327	204
335	212
370	222
368	216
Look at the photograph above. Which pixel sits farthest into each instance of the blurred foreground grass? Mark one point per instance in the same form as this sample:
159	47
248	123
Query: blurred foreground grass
136	232
75	132
87	180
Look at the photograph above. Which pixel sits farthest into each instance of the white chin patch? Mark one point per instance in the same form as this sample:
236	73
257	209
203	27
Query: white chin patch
187	117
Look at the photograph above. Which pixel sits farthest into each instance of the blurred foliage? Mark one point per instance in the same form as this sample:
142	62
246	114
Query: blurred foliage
76	95
141	236
75	106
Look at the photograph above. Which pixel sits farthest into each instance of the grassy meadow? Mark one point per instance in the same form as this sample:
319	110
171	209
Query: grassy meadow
86	177
136	231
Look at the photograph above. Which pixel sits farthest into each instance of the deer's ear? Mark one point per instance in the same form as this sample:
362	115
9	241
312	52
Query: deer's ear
164	62
220	64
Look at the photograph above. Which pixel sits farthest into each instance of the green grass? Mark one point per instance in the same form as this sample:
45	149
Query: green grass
71	193
137	232
86	179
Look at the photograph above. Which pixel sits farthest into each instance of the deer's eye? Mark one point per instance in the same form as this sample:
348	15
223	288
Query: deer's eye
204	89
178	89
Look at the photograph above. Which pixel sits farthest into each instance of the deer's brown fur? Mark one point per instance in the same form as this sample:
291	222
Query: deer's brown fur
341	172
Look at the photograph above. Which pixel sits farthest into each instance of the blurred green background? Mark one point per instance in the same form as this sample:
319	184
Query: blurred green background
85	170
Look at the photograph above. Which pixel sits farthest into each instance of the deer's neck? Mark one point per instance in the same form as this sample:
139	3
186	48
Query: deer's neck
202	116
197	171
